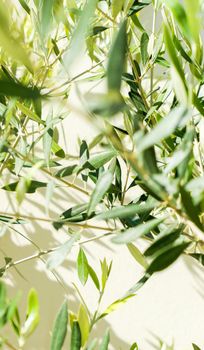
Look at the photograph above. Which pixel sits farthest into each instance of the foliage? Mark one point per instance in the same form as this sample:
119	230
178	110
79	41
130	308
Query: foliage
10	315
149	140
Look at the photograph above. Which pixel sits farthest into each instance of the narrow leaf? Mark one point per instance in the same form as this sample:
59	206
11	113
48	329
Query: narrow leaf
82	266
191	209
116	7
11	88
167	258
59	255
115	305
102	186
33	186
195	347
60	328
131	234
117	59
105	341
164	128
76	336
126	211
32	314
79	36
167	238
144	45
137	255
84	324
94	277
178	76
46	17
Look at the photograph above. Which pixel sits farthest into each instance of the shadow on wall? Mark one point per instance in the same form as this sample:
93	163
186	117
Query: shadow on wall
51	287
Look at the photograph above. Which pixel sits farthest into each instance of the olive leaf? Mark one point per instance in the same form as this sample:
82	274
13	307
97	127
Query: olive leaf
60	328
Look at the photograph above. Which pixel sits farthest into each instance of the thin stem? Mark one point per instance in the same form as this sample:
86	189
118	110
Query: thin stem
95	316
138	80
82	299
75	77
69	184
106	15
96	238
126	183
8	344
3	165
45	252
28	258
32	218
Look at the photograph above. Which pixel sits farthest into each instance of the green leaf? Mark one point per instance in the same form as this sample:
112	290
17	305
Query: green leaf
116	60
12	307
191	209
99	159
195	347
105	272
76	336
25	6
32	314
195	22
167	238
137	255
138	6
74	214
58	256
199	257
180	15
31	188
138	284
131	234
11	220
93	344
126	211
60	328
74	211
116	7
22	149
164	128
105	341
11	88
102	186
164	260
84	324
178	75
143	47
67	171
47	138
3	304
22	188
80	33
82	267
46	17
29	113
94	277
98	29
180	157
57	150
179	47
134	347
115	305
